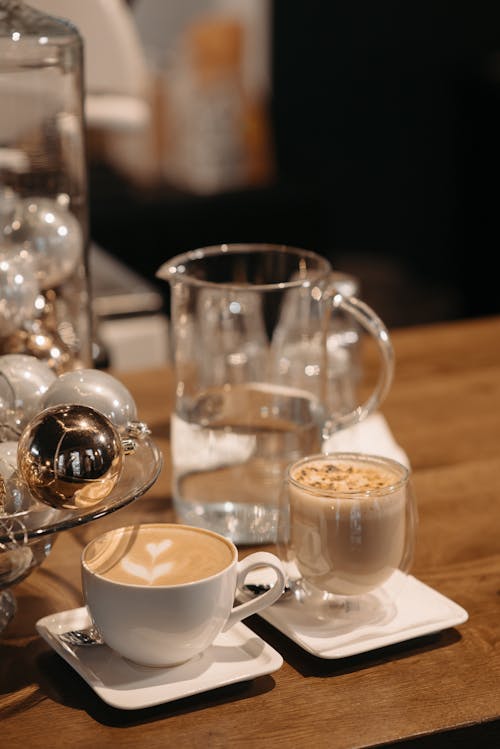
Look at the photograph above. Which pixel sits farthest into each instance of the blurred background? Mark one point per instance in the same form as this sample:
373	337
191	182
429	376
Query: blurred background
366	132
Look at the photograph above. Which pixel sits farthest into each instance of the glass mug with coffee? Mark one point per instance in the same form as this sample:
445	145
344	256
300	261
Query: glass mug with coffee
256	378
160	593
347	525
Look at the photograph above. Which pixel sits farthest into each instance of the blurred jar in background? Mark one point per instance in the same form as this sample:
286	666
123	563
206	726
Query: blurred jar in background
207	109
215	130
44	288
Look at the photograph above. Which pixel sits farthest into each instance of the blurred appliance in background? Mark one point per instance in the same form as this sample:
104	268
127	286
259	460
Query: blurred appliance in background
132	329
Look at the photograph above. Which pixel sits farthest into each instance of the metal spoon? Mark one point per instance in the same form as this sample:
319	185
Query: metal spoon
257	588
87	636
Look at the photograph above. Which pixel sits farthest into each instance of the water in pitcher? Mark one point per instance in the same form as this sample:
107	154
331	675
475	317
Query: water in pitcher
231	447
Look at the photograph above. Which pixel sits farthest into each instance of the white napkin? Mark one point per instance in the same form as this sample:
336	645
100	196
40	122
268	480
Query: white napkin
372	435
192	450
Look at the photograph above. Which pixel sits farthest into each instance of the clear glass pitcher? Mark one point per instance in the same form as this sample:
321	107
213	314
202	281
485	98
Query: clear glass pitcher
257	382
44	290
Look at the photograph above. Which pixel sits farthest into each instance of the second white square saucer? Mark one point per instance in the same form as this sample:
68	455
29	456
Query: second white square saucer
401	609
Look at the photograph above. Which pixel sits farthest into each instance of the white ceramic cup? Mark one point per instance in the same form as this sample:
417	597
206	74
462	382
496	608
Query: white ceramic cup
168	624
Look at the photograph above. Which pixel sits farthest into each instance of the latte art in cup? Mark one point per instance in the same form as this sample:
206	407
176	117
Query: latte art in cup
350	521
159	556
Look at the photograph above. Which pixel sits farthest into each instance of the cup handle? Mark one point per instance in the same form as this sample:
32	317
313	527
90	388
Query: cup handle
258	559
372	323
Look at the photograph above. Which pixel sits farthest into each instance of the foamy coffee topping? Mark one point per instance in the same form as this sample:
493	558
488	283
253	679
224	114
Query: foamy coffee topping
158	555
343	476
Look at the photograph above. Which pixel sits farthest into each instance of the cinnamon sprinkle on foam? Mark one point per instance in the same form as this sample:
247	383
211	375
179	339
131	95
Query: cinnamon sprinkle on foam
343	476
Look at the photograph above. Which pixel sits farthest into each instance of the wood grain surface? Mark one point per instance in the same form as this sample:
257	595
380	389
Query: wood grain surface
439	690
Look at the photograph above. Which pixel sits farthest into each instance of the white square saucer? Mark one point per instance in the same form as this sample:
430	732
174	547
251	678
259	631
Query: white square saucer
235	656
401	609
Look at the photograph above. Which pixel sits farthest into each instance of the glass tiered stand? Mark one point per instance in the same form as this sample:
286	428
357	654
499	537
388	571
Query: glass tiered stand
27	535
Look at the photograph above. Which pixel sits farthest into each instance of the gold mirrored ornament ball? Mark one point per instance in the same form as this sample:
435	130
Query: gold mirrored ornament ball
70	456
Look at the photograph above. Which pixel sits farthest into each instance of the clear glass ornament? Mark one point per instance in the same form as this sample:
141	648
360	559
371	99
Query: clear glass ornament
18	288
43	175
52	235
24	380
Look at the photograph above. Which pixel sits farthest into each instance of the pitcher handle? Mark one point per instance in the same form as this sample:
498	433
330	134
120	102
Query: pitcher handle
372	323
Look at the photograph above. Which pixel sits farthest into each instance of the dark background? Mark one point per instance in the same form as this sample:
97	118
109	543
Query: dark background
386	125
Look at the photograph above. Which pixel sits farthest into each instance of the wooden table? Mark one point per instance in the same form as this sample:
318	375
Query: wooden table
444	409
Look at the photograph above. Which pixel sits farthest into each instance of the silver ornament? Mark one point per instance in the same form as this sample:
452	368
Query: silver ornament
70	456
48	230
97	389
24	380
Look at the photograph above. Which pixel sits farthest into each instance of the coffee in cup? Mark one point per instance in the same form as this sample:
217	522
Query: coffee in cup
161	593
348	521
156	555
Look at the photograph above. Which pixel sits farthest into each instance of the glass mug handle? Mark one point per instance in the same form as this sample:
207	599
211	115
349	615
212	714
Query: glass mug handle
252	561
371	323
